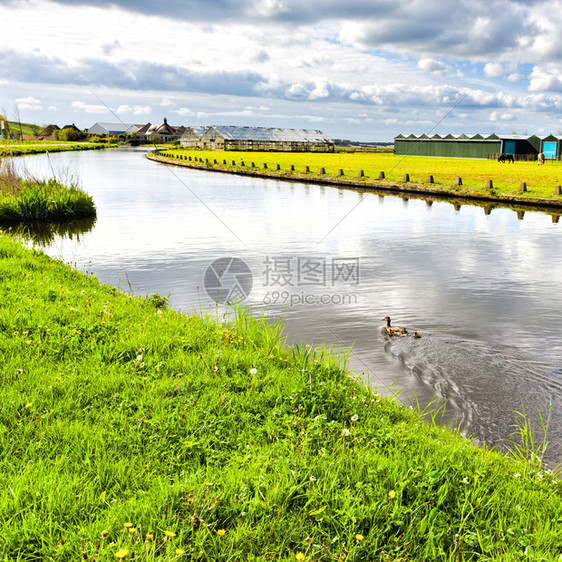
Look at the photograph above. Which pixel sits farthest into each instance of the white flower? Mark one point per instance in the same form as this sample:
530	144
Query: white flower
139	357
158	312
253	371
517	475
354	417
345	432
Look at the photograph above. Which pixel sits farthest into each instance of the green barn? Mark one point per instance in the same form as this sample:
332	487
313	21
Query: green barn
523	147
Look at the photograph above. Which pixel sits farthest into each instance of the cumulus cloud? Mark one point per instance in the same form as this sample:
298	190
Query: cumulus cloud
89	108
501	117
432	65
30	103
494	69
545	79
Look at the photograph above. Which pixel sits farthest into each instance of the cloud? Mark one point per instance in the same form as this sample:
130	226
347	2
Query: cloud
30	103
136	110
89	108
494	69
139	75
433	66
545	79
495	116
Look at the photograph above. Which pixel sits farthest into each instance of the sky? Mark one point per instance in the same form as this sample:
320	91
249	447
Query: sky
354	69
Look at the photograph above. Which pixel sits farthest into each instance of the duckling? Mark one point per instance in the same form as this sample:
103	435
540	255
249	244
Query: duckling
393	330
415	335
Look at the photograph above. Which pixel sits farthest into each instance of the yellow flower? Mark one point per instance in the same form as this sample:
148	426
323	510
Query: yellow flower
132	530
170	534
179	551
358	538
104	533
391	495
221	532
127	525
149	536
29	404
300	556
121	553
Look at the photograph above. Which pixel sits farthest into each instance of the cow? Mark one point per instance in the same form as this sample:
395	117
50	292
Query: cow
506	157
540	158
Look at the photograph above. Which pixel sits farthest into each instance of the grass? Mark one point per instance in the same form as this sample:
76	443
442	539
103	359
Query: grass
22	148
31	200
506	178
131	431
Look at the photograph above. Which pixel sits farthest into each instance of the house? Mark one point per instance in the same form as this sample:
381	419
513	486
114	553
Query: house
265	139
113	129
160	133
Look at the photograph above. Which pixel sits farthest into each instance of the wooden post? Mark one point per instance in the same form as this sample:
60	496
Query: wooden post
306	169
520	215
360	174
234	163
265	165
555	218
224	162
381	176
277	167
458	182
558	191
252	165
489	184
430	179
292	167
523	187
215	161
340	173
406	178
322	171
242	163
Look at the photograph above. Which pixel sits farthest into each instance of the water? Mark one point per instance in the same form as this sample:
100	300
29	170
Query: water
483	290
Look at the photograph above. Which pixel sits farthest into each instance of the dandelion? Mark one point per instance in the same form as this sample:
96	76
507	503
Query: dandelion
169	534
312	478
158	312
391	495
104	533
179	551
221	532
127	525
354	418
517	475
345	432
139	357
253	371
149	536
132	530
300	556
121	553
358	538
29	404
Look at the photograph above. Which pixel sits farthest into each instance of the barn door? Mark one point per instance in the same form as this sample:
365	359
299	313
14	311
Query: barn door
509	147
549	150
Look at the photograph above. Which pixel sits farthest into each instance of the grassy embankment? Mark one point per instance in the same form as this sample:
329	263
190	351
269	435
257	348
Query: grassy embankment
22	148
31	200
541	180
129	431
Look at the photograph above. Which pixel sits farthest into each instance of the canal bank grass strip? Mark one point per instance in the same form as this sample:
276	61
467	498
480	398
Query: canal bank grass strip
364	169
28	199
131	431
14	148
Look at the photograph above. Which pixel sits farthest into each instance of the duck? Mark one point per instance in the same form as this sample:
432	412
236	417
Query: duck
393	330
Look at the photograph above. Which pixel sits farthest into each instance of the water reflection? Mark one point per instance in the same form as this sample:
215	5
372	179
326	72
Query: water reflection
45	233
481	288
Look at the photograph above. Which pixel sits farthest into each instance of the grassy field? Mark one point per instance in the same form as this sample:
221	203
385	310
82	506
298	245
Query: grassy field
29	199
130	431
506	178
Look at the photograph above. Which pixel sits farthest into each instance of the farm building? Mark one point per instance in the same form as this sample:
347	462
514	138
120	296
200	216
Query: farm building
192	136
260	138
113	128
160	133
552	147
523	147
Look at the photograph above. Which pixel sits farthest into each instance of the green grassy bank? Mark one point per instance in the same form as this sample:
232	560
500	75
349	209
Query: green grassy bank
22	148
541	181
130	431
29	200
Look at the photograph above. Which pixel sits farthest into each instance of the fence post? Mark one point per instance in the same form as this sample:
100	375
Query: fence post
458	182
523	187
360	174
430	179
406	178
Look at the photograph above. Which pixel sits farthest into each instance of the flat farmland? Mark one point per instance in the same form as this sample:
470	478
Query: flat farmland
541	180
